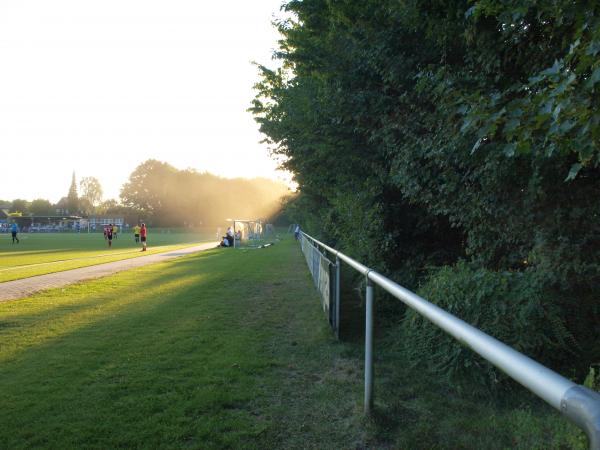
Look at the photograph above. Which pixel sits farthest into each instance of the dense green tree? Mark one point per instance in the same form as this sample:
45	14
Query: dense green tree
422	132
91	194
172	197
41	207
320	112
19	205
108	206
146	189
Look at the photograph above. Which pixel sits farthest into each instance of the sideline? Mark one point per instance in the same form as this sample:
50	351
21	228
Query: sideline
13	290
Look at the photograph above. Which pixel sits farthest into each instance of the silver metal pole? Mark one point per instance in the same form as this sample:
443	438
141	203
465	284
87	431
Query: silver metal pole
234	236
369	349
580	404
337	296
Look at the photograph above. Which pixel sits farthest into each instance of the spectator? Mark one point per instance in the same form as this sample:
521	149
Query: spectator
229	236
297	232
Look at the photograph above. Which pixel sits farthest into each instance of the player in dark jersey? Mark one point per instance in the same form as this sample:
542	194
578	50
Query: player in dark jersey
109	234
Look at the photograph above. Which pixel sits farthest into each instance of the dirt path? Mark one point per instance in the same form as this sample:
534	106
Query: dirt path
12	290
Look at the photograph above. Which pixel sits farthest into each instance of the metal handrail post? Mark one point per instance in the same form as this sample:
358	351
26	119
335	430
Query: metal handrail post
578	403
582	406
369	349
338	274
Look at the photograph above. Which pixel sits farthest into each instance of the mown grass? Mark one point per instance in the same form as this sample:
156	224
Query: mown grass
41	253
226	349
414	410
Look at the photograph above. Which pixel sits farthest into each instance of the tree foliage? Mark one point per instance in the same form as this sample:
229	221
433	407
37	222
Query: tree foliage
19	205
91	194
421	133
73	197
41	207
512	306
168	196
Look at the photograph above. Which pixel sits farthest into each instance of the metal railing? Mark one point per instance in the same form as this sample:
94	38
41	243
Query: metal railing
324	274
578	403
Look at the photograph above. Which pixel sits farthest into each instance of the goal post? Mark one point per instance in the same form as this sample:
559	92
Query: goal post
247	232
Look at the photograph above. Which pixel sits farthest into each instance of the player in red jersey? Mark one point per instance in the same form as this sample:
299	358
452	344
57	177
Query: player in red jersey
143	236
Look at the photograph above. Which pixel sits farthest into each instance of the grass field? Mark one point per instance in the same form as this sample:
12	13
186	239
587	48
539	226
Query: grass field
41	253
225	349
209	351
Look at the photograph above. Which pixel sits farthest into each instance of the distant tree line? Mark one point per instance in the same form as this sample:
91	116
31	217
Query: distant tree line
453	145
170	197
162	195
87	202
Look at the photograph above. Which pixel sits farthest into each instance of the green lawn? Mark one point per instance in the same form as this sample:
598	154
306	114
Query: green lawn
225	349
41	253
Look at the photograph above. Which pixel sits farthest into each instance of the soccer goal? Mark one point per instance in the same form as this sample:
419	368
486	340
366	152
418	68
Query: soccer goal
247	233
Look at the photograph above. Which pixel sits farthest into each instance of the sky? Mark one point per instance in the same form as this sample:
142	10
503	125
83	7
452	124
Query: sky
96	88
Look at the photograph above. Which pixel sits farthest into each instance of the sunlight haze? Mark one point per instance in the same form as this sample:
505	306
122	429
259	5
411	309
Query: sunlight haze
100	87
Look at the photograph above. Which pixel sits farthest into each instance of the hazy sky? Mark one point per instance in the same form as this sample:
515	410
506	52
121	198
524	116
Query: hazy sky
99	87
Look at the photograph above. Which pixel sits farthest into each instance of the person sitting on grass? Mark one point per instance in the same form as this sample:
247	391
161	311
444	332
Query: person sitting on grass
143	236
229	236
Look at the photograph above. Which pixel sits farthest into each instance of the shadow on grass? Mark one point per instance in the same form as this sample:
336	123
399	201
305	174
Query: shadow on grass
139	366
232	354
35	252
83	301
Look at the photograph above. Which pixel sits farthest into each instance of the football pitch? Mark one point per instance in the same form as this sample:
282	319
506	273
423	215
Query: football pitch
42	253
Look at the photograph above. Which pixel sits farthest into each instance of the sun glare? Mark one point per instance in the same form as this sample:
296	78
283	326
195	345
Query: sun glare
100	88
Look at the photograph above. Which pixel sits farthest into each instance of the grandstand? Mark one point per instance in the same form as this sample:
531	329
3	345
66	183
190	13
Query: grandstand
33	224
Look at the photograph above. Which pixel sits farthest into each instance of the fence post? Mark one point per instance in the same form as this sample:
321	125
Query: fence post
369	348
582	406
337	296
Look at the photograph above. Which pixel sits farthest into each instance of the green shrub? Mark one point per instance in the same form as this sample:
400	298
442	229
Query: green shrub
510	306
